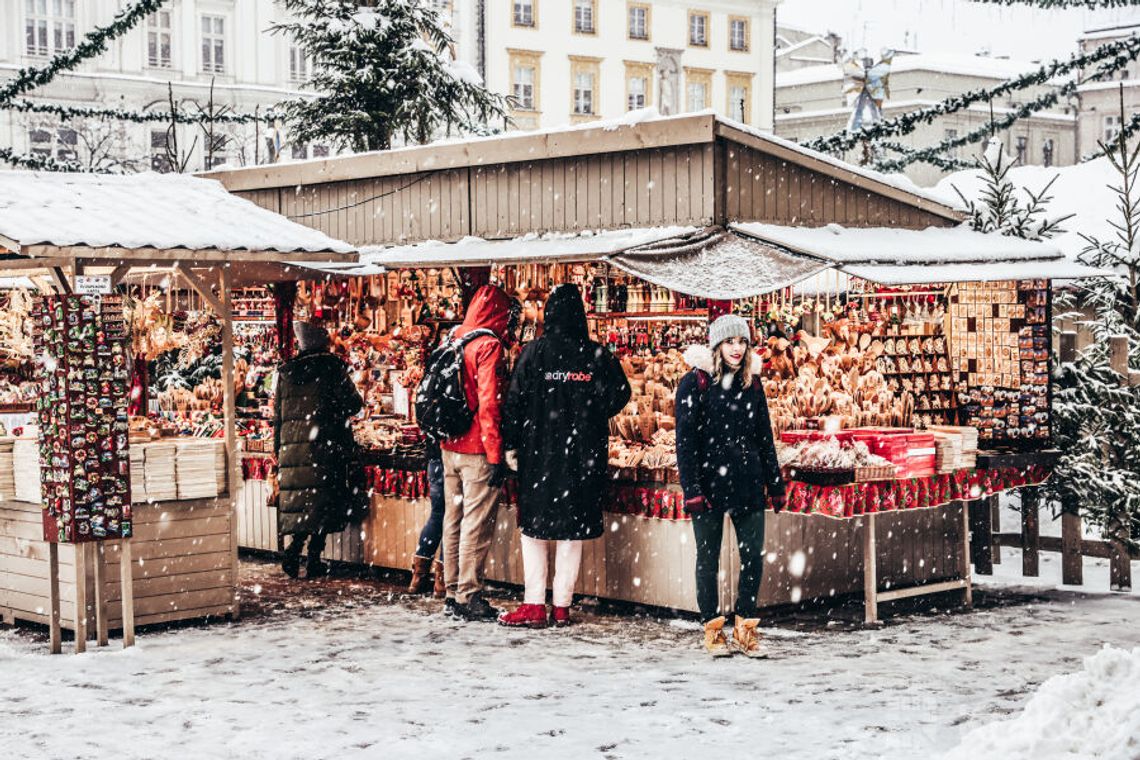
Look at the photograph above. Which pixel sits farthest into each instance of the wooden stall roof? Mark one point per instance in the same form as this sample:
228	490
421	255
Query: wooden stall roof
693	170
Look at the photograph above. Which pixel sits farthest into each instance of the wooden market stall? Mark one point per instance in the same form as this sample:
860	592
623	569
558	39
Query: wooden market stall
96	232
683	215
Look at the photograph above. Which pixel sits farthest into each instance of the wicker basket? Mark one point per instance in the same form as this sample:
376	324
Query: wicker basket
885	472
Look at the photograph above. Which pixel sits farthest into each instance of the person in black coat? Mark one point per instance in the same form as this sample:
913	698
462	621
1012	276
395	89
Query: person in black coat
315	448
727	460
563	392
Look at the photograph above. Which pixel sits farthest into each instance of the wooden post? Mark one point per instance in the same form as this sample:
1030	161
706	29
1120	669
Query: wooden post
1119	563
967	576
100	595
80	598
1119	566
1030	531
1072	560
233	466
993	504
979	535
53	598
870	576
1118	355
127	596
1068	347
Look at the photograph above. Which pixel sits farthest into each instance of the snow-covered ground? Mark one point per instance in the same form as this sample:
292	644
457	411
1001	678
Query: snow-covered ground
347	668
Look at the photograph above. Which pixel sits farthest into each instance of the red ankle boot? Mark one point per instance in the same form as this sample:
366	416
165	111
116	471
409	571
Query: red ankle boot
526	616
561	616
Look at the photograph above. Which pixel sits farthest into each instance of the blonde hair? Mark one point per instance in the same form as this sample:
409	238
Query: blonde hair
748	364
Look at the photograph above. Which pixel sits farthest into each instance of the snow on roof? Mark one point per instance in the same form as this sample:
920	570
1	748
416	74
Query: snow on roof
937	63
144	211
990	271
1083	189
551	247
1126	30
882	245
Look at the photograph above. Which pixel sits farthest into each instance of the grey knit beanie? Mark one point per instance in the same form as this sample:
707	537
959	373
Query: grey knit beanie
310	336
728	326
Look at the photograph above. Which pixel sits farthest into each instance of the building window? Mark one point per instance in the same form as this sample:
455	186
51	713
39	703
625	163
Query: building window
947	135
638	22
1111	128
738	34
698	89
636	89
320	151
584	92
585	76
584	12
61	144
699	29
638	84
525	79
158	37
1022	147
49	26
524	13
214	44
739	97
298	65
159	159
299	151
1047	152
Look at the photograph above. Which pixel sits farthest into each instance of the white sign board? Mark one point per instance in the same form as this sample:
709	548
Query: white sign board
93	284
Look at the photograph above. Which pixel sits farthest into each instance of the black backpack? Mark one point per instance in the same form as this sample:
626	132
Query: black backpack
441	403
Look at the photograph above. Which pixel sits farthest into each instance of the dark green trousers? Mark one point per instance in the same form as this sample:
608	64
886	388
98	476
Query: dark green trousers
708	528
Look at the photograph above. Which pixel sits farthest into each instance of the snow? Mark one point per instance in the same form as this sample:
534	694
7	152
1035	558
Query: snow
549	247
915	274
1082	189
144	211
379	675
932	63
1092	713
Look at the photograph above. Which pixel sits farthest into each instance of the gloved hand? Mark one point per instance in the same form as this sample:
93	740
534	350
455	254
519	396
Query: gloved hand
777	501
697	505
498	475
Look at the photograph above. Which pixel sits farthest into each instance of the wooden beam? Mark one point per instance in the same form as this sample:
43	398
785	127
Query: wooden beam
967	575
1072	561
201	288
1030	531
59	277
229	406
100	595
870	575
980	530
167	256
81	598
994	502
127	593
926	588
118	273
54	633
1118	355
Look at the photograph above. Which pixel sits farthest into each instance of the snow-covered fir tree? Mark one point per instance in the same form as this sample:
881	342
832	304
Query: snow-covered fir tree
381	70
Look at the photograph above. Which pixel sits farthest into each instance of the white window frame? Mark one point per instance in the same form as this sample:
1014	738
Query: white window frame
703	40
523	13
951	134
1048	152
1110	128
584	17
641	26
158	32
524	90
213	43
637	88
690	88
743	24
159	161
49	27
299	66
584	96
55	146
737	106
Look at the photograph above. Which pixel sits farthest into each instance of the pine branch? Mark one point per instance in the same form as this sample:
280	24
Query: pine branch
46	163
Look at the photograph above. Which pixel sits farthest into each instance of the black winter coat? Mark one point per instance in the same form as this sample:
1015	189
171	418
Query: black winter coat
314	444
563	392
725	448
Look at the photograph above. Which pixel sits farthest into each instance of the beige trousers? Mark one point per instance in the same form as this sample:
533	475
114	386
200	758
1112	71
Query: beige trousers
468	522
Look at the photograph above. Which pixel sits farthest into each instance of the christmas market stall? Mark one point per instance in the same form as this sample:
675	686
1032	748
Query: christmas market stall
98	481
907	357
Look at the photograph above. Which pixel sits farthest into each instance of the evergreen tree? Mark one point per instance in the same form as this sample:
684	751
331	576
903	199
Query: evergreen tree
382	70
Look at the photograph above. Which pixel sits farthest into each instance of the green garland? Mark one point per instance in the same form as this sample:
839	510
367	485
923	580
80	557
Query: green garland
1116	54
910	156
1127	130
1092	5
138	117
39	163
94	43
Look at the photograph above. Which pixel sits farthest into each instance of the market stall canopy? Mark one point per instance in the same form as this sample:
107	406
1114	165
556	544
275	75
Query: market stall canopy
717	263
151	217
911	257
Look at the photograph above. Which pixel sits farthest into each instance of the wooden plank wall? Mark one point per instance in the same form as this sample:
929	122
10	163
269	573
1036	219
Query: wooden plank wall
762	188
183	564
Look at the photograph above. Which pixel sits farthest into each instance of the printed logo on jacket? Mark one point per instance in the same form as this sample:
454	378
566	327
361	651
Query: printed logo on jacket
562	376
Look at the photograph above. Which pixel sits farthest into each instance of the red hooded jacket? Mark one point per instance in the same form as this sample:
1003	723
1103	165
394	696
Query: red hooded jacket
484	374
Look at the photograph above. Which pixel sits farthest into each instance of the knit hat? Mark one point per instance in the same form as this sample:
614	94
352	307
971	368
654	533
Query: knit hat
310	336
728	326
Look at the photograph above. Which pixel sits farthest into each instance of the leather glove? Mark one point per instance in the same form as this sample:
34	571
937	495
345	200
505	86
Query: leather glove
498	475
777	501
697	505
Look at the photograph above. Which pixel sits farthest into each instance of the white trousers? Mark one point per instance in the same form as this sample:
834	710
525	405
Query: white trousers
567	560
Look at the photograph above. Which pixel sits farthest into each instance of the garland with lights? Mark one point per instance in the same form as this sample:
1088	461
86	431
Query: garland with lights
907	156
1126	131
138	117
94	43
1114	55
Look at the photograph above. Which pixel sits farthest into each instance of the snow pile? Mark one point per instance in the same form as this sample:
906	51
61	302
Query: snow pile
1091	714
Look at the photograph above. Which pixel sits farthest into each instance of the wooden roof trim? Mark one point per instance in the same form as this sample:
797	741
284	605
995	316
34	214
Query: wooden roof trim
35	254
508	149
829	169
9	245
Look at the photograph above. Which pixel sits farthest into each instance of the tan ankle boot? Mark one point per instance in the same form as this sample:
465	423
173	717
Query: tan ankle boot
421	576
746	640
715	642
440	588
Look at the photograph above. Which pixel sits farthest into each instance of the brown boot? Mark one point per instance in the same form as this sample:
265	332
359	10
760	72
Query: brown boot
421	576
746	640
715	642
439	591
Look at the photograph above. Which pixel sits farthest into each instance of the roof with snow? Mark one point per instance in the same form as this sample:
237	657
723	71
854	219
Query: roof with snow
982	67
106	216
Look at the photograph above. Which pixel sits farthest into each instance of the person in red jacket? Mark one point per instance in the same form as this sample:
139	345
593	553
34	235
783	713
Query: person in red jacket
473	464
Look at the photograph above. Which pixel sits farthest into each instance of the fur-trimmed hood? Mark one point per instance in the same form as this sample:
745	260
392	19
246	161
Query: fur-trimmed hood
699	356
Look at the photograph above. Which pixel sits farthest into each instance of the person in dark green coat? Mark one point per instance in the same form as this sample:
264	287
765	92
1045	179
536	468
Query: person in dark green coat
315	448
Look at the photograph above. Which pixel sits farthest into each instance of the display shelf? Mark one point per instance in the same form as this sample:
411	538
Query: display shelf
691	313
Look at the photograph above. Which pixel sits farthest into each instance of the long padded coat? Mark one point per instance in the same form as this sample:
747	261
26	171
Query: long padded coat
314	443
563	392
725	448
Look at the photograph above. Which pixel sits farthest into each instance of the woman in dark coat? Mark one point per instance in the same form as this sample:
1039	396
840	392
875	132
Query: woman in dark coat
315	448
727	461
563	392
